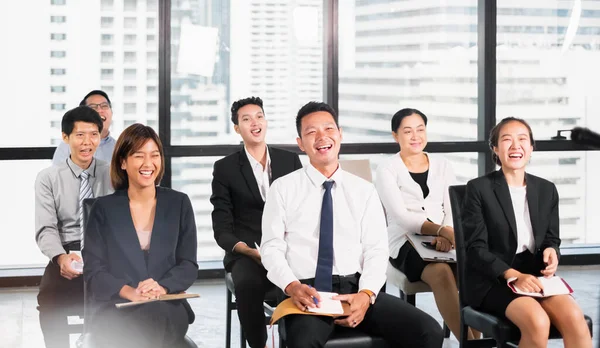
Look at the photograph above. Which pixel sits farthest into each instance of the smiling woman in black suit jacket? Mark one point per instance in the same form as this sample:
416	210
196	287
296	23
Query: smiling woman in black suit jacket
140	243
511	227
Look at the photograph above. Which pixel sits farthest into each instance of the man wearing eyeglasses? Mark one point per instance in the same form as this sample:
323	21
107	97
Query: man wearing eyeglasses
97	100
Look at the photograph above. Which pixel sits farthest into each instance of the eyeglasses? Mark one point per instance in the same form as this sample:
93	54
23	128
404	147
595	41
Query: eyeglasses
101	106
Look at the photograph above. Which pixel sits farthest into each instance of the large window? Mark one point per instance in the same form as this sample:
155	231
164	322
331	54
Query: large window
270	49
547	64
17	230
575	176
408	54
193	175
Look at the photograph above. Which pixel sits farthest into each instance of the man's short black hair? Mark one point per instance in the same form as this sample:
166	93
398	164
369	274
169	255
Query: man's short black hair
401	114
94	92
238	104
80	114
309	108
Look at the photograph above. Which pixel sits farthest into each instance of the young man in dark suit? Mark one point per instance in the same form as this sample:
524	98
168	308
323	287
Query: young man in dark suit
239	188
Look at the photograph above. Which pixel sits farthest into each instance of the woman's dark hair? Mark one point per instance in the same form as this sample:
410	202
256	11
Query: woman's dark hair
80	114
495	135
401	114
131	140
238	104
309	108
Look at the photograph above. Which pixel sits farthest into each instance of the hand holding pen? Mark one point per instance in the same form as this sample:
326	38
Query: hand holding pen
303	296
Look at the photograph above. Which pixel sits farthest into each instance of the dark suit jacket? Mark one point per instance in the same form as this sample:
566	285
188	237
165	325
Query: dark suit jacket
112	255
238	206
491	233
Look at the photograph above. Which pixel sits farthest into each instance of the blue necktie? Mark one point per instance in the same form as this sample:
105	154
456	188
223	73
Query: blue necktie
325	259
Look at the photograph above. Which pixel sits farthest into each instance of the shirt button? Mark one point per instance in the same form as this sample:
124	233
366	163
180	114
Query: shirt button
423	208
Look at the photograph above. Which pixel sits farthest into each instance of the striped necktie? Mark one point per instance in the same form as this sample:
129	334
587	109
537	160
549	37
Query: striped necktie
85	191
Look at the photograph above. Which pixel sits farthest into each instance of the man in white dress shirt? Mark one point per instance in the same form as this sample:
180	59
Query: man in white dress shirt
324	230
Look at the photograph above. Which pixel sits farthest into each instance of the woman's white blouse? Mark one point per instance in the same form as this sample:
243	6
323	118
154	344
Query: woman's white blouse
406	209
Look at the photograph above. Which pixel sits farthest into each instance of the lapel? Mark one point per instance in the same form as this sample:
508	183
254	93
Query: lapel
503	196
407	180
249	175
159	233
277	170
532	202
129	236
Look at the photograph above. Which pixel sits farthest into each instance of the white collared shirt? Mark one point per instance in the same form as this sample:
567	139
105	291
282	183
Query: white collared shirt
291	225
406	209
262	175
525	239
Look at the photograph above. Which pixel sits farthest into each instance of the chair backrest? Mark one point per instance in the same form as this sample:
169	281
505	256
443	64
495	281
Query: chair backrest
88	305
457	197
360	168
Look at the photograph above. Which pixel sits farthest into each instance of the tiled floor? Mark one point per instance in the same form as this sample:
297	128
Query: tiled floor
19	326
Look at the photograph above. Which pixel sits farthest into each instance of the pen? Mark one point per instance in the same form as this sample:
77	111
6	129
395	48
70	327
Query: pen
315	300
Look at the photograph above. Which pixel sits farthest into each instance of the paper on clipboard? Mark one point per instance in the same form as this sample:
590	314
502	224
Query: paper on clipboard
287	307
428	254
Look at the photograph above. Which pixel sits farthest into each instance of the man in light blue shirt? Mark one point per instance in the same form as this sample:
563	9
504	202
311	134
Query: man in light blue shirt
99	101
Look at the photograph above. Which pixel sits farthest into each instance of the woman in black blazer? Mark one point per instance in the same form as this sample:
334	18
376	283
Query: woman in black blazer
511	225
140	243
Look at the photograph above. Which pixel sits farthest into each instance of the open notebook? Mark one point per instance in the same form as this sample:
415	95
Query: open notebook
552	286
328	307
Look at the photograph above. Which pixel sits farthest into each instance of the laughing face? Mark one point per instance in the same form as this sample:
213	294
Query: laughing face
411	135
514	146
320	140
101	105
252	125
83	141
143	166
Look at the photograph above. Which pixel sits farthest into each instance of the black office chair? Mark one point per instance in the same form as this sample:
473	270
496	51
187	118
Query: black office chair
503	333
268	305
89	307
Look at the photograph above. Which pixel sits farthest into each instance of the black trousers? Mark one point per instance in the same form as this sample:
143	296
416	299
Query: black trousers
158	324
397	322
57	299
251	285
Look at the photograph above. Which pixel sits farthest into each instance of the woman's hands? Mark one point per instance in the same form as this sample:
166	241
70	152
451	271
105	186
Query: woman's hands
146	290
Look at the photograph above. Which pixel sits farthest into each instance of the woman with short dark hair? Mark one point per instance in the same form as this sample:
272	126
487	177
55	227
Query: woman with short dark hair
140	243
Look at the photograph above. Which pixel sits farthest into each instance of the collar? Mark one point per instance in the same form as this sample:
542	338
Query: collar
108	139
77	170
317	178
254	162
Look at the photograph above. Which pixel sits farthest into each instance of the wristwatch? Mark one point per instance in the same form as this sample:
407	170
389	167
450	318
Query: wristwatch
371	295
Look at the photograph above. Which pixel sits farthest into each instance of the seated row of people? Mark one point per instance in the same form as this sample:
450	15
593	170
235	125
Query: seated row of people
322	225
320	228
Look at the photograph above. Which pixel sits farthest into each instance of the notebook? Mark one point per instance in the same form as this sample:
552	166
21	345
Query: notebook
552	286
327	305
429	254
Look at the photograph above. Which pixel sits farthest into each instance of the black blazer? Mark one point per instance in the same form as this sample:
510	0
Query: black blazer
491	233
112	255
238	206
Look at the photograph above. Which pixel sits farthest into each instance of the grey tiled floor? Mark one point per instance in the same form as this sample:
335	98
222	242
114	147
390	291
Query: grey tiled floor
19	325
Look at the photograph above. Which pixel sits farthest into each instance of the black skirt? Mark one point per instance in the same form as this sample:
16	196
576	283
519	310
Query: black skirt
409	262
500	295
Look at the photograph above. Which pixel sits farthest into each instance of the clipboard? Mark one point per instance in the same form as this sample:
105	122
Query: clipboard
168	297
428	254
